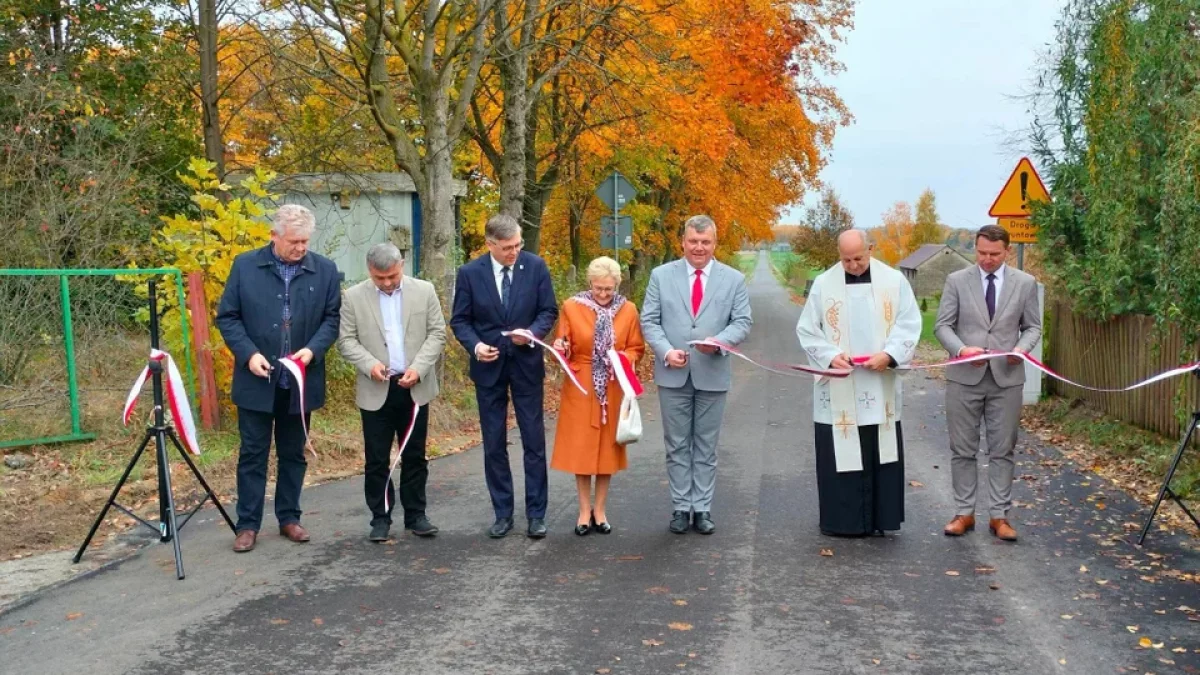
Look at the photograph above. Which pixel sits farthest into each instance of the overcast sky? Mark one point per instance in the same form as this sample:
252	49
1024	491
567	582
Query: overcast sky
935	87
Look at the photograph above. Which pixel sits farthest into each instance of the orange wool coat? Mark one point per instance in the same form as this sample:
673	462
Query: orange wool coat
582	445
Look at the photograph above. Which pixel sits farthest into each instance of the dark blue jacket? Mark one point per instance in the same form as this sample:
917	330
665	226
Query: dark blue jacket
479	316
251	313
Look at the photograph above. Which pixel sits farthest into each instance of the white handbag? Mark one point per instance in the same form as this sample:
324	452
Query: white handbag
629	425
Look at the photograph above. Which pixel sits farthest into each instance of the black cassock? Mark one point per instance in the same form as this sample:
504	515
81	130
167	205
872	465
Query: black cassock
857	503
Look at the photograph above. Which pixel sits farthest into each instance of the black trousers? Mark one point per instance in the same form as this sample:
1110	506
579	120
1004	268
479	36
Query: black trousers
255	428
382	430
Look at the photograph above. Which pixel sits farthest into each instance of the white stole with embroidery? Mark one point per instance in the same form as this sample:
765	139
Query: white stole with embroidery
859	320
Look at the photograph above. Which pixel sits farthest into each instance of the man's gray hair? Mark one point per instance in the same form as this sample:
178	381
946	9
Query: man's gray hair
501	227
384	256
700	224
293	217
862	234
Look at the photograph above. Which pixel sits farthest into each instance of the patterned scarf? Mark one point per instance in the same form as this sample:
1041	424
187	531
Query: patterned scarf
601	343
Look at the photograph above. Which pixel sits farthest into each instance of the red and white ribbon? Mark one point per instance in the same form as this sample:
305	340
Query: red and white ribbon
296	367
626	376
525	333
1166	375
780	368
177	400
412	423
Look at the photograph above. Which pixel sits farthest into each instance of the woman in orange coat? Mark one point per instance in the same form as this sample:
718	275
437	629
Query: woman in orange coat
585	441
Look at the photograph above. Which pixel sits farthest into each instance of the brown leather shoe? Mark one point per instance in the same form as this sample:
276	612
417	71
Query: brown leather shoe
1002	530
959	526
245	541
295	532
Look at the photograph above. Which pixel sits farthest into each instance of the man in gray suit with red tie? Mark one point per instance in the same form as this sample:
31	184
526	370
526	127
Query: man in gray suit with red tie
990	307
693	299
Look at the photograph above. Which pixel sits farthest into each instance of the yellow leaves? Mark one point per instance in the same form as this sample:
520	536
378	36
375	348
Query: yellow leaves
206	202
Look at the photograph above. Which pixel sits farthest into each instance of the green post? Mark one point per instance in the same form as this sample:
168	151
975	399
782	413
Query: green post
69	341
187	340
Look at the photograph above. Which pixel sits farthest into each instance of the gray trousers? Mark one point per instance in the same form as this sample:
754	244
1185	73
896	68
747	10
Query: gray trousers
999	408
691	425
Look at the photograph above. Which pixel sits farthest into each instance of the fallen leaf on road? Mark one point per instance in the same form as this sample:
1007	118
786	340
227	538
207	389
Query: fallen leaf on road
1068	617
876	661
985	569
318	621
1062	662
911	574
1102	582
680	603
603	671
652	643
1132	629
994	587
827	552
74	615
914	657
629	557
951	573
679	625
1180	650
916	483
441	570
1083	569
280	622
658	590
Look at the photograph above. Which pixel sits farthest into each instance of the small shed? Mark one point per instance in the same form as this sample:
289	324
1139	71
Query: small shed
927	268
356	211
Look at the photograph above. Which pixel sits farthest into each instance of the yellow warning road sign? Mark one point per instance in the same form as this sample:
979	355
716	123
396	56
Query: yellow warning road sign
1023	186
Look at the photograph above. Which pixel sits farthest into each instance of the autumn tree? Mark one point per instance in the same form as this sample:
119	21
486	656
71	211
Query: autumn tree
893	237
816	238
927	227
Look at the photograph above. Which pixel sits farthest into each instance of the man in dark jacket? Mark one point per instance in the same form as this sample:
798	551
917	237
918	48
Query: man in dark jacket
280	300
504	290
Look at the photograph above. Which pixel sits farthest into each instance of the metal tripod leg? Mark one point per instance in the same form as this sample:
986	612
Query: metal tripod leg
1165	490
196	472
167	523
113	496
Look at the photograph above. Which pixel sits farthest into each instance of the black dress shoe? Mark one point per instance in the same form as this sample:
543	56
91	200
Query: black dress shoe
500	528
680	520
582	530
379	531
422	527
703	523
602	528
537	528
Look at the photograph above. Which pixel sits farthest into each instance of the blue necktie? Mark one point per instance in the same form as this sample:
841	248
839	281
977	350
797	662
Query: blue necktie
505	286
990	296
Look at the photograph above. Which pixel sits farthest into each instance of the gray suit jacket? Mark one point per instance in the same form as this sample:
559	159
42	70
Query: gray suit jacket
361	339
962	321
667	322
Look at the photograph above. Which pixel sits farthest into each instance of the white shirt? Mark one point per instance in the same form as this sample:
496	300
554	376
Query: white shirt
999	281
391	307
498	272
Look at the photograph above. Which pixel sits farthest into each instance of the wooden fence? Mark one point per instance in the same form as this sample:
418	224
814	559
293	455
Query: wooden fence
1117	353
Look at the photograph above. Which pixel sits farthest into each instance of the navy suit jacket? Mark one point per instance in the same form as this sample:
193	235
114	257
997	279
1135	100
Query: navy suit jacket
478	316
250	315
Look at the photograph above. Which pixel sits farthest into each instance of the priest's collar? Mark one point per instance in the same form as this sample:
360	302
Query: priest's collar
864	278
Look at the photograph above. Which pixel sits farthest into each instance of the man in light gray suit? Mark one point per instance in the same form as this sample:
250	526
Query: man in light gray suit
986	308
393	332
693	299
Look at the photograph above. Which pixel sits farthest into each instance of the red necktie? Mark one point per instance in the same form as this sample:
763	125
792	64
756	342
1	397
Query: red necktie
697	293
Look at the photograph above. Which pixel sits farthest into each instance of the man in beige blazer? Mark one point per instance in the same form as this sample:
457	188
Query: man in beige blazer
392	332
987	307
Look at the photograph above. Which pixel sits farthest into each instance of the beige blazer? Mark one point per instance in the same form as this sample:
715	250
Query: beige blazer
962	320
361	339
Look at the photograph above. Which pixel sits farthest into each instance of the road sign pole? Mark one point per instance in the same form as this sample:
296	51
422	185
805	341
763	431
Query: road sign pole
616	221
1021	256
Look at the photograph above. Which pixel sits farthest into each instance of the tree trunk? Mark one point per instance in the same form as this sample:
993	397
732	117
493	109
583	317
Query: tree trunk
437	200
206	36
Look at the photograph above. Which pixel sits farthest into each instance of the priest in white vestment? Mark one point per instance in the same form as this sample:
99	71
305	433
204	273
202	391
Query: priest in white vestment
859	314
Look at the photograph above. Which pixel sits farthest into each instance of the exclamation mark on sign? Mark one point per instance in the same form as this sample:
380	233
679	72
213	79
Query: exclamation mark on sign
1025	190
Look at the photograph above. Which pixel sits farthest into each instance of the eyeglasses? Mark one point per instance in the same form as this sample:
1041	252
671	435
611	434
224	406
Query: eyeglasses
507	249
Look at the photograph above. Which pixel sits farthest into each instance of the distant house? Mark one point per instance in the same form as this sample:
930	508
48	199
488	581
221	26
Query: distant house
356	211
927	268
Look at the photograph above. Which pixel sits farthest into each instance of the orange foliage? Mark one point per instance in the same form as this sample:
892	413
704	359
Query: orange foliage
893	237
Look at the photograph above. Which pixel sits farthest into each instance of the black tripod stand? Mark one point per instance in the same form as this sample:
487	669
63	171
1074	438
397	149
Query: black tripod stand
159	431
1166	491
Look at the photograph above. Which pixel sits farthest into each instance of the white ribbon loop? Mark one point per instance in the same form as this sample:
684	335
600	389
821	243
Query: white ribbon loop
177	400
525	333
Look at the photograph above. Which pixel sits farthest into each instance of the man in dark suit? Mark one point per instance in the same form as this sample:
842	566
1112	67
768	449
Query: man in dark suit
279	300
502	291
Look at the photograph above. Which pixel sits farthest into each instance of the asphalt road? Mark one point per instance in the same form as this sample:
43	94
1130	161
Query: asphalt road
1073	596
